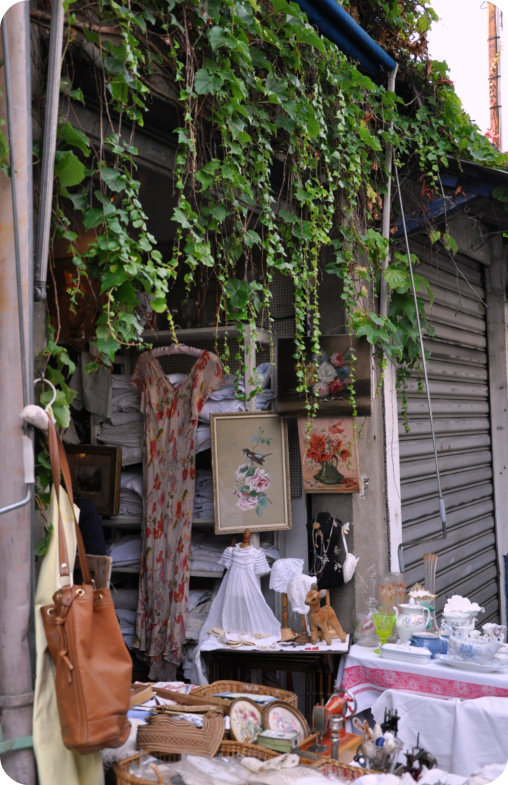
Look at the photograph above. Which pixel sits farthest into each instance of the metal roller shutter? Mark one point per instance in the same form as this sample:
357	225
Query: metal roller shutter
458	378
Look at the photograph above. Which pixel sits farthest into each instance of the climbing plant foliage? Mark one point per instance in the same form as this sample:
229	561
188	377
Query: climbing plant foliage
281	156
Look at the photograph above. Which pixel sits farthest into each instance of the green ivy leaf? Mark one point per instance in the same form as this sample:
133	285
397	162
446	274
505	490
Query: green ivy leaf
307	36
74	138
372	141
219	37
395	276
93	217
238	293
159	304
113	179
205	82
68	168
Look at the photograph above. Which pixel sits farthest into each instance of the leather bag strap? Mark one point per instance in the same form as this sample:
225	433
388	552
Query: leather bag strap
58	460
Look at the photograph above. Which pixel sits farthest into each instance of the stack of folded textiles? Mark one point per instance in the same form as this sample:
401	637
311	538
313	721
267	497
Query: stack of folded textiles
131	492
223	397
126	551
205	553
124	428
203	498
126	603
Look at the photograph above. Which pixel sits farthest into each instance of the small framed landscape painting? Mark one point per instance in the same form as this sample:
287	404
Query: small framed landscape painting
327	377
250	467
329	455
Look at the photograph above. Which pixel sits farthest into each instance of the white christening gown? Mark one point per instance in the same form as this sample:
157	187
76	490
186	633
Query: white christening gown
239	605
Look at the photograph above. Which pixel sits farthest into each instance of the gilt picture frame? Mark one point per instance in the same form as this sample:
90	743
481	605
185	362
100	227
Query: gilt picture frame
250	468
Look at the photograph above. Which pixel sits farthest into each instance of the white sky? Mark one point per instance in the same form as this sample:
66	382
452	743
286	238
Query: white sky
460	38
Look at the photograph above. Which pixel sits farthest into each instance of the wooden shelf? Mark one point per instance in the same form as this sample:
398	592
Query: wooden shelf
136	521
124	522
193	573
165	337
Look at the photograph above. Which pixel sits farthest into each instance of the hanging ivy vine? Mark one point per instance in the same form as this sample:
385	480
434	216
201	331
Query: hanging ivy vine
280	152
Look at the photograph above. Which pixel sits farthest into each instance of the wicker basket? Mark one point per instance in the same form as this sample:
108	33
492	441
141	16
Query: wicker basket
240	686
227	749
329	766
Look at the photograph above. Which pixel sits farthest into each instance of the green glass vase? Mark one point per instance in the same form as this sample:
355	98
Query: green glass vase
328	474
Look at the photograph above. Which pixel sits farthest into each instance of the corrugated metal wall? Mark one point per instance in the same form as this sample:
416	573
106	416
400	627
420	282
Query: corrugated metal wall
458	378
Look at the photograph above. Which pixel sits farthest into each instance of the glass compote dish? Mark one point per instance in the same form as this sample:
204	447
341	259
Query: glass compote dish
384	622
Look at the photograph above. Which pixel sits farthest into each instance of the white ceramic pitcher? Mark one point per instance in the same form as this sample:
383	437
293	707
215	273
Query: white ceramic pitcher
411	618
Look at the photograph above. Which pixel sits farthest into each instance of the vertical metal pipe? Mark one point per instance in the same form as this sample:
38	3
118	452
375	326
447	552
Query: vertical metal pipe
49	147
387	200
16	685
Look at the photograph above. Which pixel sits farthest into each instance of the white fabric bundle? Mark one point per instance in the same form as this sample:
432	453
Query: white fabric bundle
203	497
298	588
282	572
132	480
125	599
124	395
127	622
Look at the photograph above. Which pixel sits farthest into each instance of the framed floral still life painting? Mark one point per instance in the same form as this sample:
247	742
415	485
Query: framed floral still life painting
250	465
329	455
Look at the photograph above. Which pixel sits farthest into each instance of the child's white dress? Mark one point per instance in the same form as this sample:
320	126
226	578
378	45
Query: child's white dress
239	605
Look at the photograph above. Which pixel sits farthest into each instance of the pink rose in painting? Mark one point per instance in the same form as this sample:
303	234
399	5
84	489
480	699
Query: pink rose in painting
260	480
246	503
321	389
337	360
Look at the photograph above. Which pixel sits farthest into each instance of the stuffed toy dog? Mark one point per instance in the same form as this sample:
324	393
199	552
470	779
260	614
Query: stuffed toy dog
321	617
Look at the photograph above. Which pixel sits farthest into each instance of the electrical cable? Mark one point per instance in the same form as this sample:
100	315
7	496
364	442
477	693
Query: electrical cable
442	507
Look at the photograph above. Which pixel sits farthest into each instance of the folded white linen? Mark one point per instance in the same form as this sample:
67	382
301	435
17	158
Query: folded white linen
203	438
126	551
207	566
132	480
123	418
223	405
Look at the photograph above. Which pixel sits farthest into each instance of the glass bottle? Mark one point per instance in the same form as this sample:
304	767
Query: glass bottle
365	629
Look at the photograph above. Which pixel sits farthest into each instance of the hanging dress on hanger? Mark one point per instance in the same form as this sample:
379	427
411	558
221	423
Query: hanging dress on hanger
171	419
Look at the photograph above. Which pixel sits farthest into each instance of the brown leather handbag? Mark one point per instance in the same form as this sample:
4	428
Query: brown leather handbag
93	664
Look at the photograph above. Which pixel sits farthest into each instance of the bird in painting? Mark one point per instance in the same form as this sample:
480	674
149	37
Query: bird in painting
255	457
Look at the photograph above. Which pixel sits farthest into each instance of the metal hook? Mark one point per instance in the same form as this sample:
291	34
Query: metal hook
43	379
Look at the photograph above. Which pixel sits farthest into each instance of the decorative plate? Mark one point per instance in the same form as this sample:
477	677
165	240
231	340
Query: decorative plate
464	665
279	715
246	720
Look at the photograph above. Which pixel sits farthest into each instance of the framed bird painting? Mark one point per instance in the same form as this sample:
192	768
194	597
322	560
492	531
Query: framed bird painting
250	464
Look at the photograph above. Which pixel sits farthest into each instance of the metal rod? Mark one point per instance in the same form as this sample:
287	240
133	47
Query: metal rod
442	508
49	148
387	201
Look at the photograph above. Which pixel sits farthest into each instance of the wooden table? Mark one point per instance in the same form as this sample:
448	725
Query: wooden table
318	667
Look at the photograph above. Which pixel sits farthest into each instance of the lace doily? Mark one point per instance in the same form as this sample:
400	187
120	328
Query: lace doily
282	572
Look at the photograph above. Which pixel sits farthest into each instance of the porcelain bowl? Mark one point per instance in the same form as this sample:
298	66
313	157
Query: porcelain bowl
428	640
478	651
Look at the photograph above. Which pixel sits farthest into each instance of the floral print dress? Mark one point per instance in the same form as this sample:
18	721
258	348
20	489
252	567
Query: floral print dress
171	419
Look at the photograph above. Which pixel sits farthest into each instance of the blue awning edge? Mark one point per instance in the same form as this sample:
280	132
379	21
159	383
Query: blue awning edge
338	26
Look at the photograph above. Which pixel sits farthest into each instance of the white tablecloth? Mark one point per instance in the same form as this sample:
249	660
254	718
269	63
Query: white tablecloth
367	676
464	735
